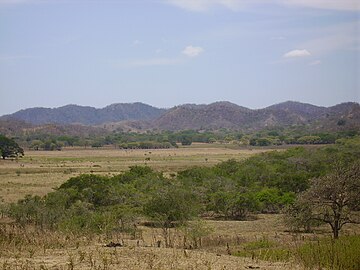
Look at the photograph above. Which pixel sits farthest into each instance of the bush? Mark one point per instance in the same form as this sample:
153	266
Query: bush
233	205
272	201
171	207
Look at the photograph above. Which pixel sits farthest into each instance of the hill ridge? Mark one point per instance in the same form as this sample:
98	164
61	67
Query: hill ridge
216	115
86	115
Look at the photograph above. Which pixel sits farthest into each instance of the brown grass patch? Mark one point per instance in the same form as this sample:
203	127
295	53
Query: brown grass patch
41	171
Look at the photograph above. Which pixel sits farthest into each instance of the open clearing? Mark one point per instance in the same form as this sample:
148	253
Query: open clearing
38	172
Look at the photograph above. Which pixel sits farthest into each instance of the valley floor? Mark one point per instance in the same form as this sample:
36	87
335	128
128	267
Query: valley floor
38	172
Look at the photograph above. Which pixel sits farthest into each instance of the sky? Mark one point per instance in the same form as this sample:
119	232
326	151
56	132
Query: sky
254	53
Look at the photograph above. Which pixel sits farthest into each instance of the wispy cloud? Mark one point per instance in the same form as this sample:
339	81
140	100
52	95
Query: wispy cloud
189	51
350	5
192	51
315	63
338	37
297	53
203	5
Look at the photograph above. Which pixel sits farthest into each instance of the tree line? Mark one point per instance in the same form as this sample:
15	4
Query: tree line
169	139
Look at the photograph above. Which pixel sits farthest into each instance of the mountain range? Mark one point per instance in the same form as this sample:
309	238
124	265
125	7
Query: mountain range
85	115
140	117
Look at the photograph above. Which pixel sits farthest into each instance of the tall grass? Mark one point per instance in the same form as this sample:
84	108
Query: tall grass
324	253
340	254
27	241
264	249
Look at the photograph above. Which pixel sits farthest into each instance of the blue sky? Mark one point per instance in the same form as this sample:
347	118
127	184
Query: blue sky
170	52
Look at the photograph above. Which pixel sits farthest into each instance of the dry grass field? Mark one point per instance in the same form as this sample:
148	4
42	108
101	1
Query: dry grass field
38	172
27	248
55	251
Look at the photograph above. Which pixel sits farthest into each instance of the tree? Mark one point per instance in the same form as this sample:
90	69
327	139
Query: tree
194	232
240	204
298	215
9	148
233	204
263	142
186	140
170	208
335	198
271	200
309	140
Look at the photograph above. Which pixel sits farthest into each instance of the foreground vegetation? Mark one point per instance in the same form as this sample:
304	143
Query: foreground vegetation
321	253
180	206
231	190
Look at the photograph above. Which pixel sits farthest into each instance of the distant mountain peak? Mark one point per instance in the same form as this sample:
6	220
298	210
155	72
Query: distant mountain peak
290	103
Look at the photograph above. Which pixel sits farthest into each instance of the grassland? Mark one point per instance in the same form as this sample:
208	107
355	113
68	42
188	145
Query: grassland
29	249
38	172
261	243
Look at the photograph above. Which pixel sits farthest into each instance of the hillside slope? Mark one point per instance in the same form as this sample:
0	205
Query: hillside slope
14	128
141	117
75	114
227	115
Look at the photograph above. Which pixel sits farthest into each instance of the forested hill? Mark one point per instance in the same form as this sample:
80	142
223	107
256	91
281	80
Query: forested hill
85	115
18	128
227	115
139	116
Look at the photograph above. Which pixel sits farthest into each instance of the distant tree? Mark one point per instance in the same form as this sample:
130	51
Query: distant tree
186	140
273	133
36	145
253	142
341	122
96	144
9	148
327	137
309	140
263	142
51	145
333	199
